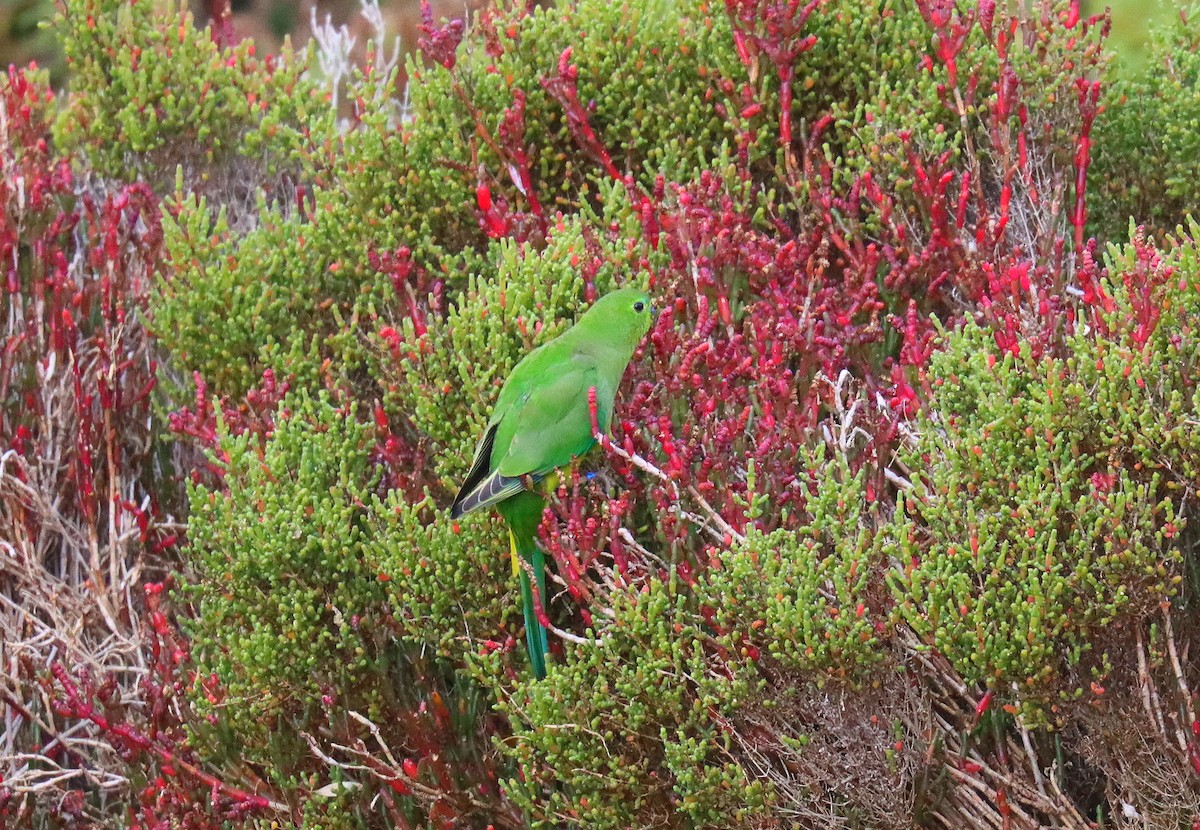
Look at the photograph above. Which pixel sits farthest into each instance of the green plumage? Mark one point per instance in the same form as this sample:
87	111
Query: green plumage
542	420
523	514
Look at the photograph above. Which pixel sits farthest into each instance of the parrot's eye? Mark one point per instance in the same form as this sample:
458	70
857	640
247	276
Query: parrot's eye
639	306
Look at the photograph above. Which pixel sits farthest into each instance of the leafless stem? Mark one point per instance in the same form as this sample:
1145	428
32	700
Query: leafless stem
1180	679
730	534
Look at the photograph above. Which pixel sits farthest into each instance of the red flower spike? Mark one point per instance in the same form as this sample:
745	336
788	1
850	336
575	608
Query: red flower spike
483	197
439	43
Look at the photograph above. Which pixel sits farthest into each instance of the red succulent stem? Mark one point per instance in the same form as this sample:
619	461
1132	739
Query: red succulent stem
563	87
1089	108
134	740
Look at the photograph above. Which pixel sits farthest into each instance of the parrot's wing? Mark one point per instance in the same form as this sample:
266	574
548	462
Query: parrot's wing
553	424
493	489
544	428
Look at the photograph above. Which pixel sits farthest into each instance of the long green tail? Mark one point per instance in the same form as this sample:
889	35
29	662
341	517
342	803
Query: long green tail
535	632
523	512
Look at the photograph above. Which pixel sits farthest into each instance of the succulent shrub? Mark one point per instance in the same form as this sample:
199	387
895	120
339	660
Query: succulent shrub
153	93
291	514
894	524
1146	141
637	713
296	626
1051	504
654	701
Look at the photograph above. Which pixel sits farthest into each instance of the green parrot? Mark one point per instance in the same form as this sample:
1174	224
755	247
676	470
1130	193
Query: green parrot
542	421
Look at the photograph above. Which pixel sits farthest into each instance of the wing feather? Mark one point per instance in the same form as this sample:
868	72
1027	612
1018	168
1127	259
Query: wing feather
492	490
480	468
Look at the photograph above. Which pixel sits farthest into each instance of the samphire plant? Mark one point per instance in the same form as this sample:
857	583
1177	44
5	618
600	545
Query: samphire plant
894	524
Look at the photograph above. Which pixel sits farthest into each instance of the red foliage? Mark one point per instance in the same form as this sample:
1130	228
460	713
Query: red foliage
563	86
439	43
496	218
151	734
78	271
79	505
402	455
255	415
788	332
774	29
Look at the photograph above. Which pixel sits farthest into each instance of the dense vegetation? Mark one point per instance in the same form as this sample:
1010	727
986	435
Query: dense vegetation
896	523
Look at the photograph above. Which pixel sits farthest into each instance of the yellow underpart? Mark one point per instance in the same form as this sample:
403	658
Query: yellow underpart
512	545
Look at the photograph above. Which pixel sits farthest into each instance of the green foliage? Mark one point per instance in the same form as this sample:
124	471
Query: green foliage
236	303
150	91
287	603
404	184
860	71
801	597
451	586
1148	139
314	598
1051	495
631	724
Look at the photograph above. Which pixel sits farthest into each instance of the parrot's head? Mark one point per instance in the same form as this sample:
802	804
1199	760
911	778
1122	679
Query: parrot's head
624	315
